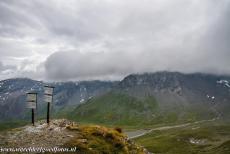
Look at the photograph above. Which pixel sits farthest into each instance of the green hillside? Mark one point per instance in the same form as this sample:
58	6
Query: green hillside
122	109
115	108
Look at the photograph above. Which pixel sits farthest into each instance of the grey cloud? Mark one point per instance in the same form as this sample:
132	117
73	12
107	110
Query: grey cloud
91	65
110	39
14	20
175	39
6	67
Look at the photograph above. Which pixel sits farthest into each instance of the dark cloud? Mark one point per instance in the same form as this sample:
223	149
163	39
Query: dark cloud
60	40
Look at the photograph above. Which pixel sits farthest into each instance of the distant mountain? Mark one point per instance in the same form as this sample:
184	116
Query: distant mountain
149	98
176	97
66	95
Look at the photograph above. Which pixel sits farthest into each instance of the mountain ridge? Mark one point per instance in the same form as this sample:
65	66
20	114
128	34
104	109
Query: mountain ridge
172	91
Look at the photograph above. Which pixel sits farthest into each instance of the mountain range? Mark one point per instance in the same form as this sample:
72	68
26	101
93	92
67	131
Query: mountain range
150	98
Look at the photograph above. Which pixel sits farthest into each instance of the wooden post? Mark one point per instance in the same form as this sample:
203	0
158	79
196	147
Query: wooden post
32	103
48	112
33	117
48	94
36	101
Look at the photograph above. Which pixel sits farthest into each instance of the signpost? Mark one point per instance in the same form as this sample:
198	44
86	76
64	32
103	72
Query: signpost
48	98
32	103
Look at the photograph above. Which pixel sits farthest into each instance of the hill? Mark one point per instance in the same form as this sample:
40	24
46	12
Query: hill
88	139
116	109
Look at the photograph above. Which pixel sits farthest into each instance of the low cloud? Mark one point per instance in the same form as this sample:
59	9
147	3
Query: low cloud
83	40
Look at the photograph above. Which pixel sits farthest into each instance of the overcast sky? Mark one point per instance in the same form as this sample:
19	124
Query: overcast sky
109	39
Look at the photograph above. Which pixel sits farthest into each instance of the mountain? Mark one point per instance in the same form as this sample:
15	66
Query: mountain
162	97
116	109
66	95
150	98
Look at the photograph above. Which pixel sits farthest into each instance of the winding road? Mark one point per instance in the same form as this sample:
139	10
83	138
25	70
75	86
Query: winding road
142	132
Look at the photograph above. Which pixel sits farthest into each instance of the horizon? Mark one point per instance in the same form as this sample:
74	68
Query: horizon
119	80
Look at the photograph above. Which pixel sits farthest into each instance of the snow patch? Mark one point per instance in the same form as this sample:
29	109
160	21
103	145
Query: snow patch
210	97
224	82
82	100
197	141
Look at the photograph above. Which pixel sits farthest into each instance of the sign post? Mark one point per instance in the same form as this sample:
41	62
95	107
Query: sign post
48	97
32	103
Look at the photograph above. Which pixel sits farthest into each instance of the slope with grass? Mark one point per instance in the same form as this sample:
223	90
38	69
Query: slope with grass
207	138
116	109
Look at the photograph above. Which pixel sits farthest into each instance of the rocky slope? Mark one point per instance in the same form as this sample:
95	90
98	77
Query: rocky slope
88	139
178	91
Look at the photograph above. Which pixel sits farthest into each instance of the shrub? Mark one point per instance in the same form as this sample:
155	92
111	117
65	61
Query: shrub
118	129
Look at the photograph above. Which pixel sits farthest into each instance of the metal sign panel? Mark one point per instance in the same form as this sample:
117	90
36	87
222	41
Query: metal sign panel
48	90
48	98
31	100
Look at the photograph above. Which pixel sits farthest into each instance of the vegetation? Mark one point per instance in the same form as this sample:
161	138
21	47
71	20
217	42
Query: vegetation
200	139
120	109
11	124
93	139
116	109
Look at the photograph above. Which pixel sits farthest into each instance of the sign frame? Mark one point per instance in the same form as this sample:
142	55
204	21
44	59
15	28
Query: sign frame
31	100
48	98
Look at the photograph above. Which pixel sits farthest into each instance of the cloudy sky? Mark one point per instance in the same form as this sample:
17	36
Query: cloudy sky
108	39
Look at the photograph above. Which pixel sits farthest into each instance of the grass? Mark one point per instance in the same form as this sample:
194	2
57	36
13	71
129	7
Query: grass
213	138
11	124
116	109
93	139
119	109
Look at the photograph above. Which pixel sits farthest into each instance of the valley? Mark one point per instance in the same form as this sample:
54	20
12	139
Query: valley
204	138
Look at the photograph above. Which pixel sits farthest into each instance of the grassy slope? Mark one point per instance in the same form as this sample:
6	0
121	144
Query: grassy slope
126	111
116	109
94	139
214	138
